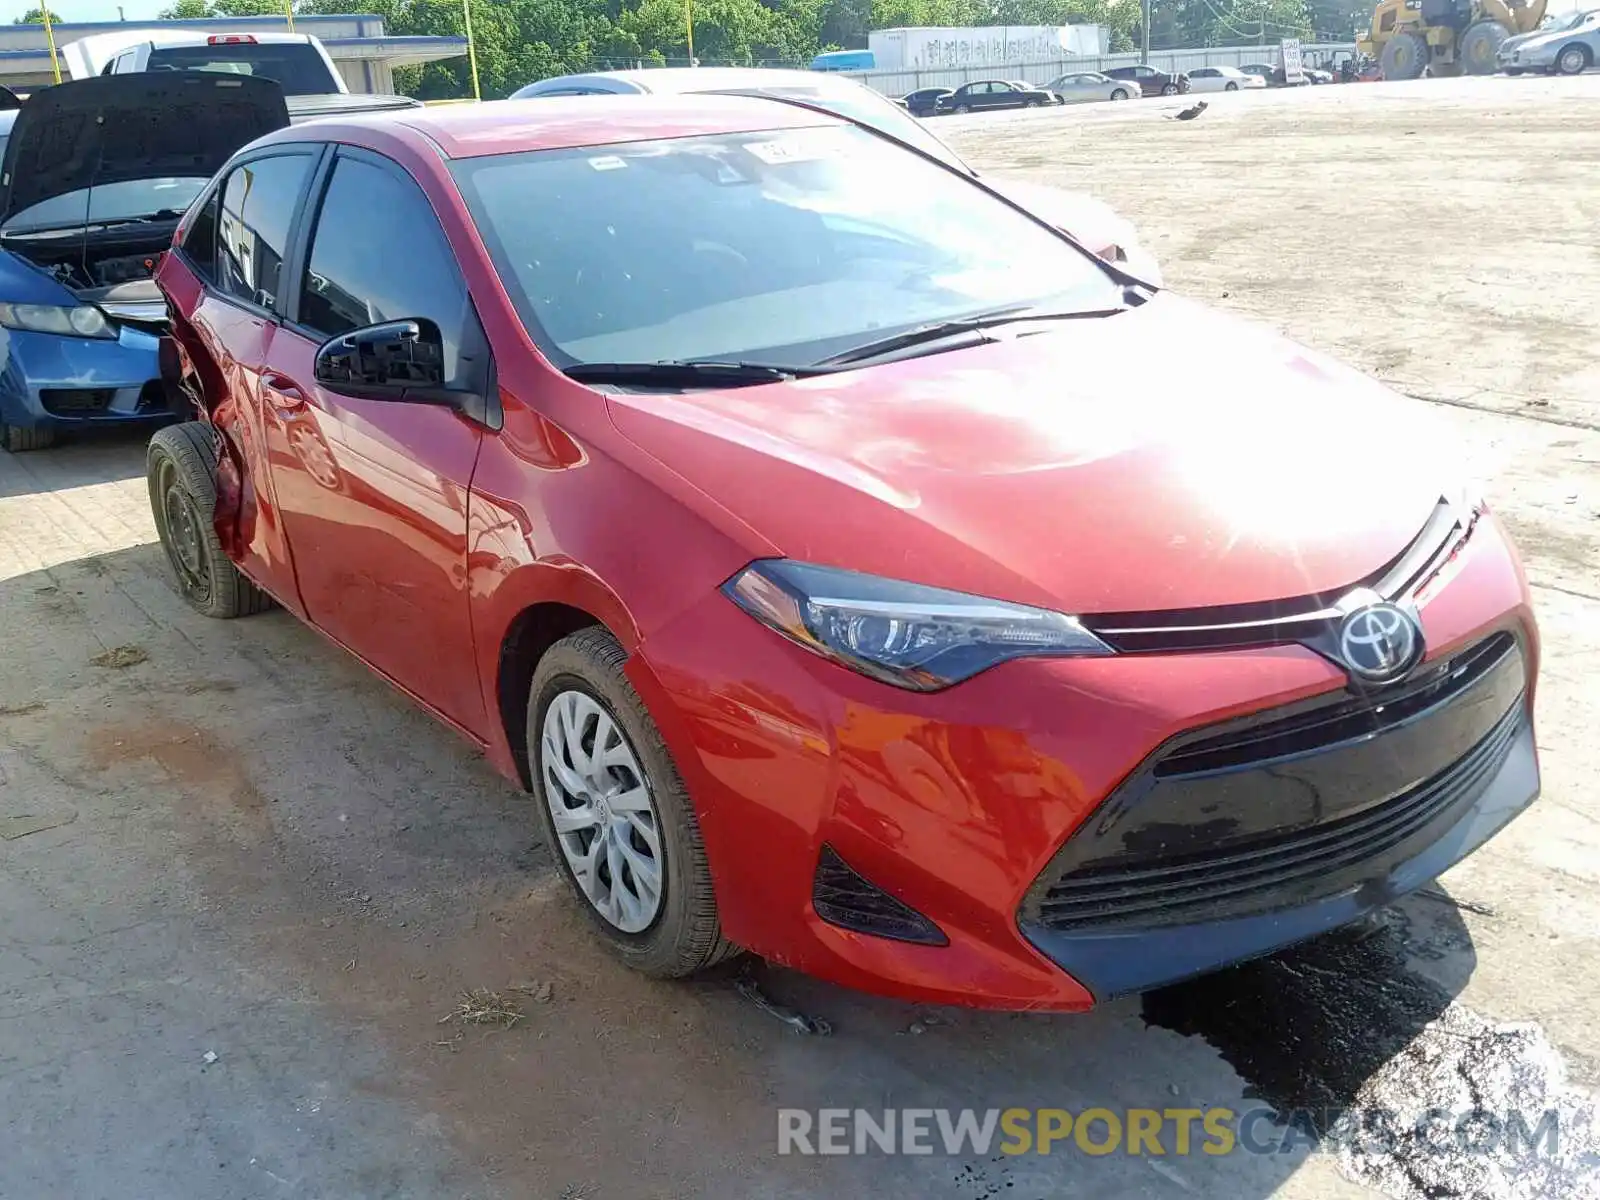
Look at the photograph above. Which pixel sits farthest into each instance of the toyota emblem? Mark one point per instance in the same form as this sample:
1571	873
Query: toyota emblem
1379	642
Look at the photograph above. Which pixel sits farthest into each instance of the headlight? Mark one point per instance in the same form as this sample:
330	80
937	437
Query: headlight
914	637
82	320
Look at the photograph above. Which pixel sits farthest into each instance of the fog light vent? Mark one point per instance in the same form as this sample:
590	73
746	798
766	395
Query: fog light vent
843	898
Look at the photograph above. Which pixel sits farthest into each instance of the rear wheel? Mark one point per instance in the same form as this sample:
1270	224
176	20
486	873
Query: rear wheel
1032	104
181	469
1479	47
1169	89
1405	56
616	813
1573	60
17	439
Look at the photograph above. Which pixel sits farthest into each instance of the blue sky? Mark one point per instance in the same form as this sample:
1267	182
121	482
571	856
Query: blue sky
86	10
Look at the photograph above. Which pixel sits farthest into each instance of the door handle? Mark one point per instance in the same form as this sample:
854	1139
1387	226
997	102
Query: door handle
284	393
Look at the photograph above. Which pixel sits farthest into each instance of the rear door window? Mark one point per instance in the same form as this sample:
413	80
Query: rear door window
258	204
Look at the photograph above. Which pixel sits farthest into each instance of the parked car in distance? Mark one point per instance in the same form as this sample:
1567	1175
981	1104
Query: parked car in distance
984	95
1569	46
95	174
1151	82
1089	220
1273	76
1318	75
924	102
822	619
1088	86
1223	79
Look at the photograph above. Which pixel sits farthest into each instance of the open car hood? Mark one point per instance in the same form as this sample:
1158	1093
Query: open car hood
119	128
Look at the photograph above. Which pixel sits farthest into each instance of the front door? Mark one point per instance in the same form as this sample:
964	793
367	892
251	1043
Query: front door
373	492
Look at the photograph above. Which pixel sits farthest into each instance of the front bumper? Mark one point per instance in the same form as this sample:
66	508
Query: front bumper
958	804
54	382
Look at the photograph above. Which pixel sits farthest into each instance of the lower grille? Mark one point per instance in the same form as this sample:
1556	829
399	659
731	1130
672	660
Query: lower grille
76	402
844	898
1284	808
1292	871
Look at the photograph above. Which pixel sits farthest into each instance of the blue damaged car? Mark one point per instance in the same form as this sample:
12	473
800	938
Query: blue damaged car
95	177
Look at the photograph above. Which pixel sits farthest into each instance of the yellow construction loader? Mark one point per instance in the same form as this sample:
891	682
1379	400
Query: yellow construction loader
1445	37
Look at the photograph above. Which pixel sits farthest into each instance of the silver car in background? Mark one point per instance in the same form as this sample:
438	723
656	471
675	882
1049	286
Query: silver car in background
1567	45
1086	86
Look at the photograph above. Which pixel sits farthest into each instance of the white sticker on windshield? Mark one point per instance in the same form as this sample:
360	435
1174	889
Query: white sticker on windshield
608	162
789	150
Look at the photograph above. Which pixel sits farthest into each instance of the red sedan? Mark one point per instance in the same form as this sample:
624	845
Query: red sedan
768	499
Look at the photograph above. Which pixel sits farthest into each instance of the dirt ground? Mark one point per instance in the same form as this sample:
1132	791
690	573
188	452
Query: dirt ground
244	884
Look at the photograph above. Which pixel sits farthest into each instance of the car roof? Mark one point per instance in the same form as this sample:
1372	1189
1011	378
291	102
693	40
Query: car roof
684	80
564	122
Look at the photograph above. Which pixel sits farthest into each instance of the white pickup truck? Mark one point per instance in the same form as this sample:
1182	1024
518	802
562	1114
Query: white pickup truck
297	62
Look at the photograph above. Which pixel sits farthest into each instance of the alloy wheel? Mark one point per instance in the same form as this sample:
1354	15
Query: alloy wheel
604	815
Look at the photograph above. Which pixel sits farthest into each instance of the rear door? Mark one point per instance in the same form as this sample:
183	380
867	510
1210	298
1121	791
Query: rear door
236	244
373	493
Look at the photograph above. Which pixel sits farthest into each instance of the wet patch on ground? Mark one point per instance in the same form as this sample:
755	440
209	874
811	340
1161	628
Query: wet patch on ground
1355	1043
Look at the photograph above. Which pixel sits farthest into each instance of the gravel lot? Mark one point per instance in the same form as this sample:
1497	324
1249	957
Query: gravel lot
230	840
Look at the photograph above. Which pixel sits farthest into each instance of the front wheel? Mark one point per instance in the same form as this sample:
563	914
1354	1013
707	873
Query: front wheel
1479	49
1118	94
616	813
181	470
962	110
1232	87
1572	60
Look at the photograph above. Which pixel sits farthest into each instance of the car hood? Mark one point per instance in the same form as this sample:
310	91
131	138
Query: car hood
117	128
1169	457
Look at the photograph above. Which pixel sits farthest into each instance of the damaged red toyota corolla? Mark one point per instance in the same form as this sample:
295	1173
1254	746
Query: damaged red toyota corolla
856	570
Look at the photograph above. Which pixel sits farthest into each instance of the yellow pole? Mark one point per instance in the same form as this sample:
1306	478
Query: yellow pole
288	13
50	39
472	53
688	24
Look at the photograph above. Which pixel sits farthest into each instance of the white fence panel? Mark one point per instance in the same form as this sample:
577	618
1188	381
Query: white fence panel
898	83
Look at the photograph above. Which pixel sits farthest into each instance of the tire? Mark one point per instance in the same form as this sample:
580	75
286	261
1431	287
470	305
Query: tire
1479	47
1573	60
1169	89
1030	104
1232	87
1405	56
181	471
1118	94
579	684
16	439
962	110
1513	71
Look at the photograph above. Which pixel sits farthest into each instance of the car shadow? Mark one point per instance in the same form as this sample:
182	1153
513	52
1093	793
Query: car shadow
99	456
340	863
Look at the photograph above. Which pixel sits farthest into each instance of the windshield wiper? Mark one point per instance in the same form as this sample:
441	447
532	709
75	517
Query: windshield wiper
688	373
165	214
939	331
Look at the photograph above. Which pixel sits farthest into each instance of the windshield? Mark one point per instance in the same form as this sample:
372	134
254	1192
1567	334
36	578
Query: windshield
124	201
296	67
873	109
783	246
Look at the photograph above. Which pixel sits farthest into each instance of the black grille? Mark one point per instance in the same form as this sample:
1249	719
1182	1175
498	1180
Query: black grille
1279	622
76	402
844	898
1330	724
1295	870
1285	808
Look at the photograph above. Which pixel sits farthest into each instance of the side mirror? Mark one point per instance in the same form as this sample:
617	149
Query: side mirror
398	360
